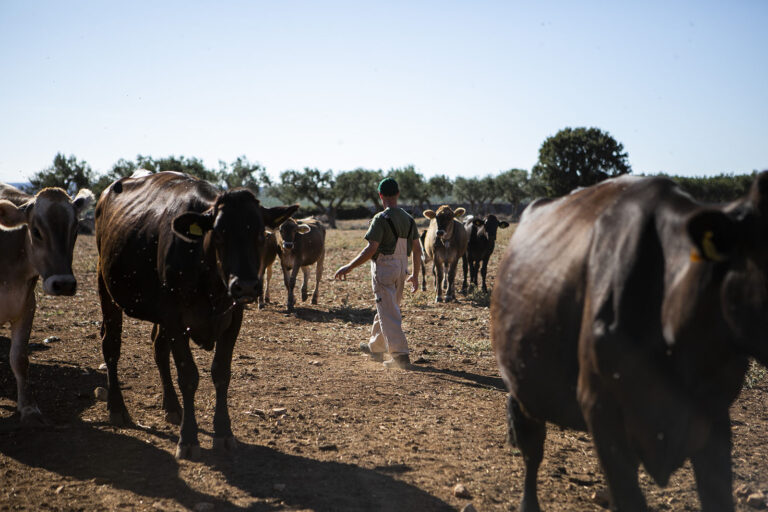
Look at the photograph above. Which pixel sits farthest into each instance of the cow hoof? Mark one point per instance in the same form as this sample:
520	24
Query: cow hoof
187	451
120	418
438	299
314	301
261	305
304	296
173	417
225	444
31	417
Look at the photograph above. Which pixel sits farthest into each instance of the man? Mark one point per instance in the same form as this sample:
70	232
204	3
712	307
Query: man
391	237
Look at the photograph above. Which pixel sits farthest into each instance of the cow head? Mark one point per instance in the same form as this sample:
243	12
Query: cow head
289	230
491	225
735	241
233	229
51	219
443	219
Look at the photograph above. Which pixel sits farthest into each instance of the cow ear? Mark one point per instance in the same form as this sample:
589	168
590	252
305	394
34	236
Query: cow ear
82	200
275	216
503	224
191	226
478	222
304	229
715	235
429	214
458	212
11	216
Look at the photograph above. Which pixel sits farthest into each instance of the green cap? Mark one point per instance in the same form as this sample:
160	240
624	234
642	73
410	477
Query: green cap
388	187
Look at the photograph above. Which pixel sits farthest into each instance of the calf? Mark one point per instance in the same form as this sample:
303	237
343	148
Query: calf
270	255
482	241
37	236
175	251
444	243
630	310
301	244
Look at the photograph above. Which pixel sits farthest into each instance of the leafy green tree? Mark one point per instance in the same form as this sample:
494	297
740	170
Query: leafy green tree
478	192
413	187
513	187
242	173
66	173
579	157
317	187
440	187
361	184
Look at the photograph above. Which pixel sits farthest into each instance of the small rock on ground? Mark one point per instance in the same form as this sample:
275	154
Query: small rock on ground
757	500
461	492
469	508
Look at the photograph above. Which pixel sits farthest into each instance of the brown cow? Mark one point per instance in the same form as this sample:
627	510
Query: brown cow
444	243
175	251
270	255
630	310
301	244
37	237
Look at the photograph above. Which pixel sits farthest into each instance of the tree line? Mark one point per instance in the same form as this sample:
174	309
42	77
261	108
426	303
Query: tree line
574	157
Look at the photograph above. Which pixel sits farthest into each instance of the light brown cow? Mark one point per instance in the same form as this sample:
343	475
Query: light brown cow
37	237
269	257
445	243
301	244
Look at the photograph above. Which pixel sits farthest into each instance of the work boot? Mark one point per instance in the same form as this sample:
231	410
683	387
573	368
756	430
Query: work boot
376	357
401	361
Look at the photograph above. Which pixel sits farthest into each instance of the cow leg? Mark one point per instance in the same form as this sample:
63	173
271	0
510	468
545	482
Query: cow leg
266	285
20	331
437	270
423	277
712	468
290	283
452	268
318	276
528	436
188	378
617	457
111	332
221	373
465	268
304	287
483	272
161	344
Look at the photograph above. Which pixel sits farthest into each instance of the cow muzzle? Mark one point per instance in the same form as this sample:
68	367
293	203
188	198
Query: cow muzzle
440	233
244	291
60	284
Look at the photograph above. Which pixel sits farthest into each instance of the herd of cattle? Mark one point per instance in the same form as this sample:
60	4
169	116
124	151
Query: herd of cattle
626	309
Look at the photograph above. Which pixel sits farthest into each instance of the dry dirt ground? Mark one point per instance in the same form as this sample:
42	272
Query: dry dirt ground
320	427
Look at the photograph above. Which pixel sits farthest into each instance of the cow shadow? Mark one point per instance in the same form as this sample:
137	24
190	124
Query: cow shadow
464	378
357	316
300	482
90	453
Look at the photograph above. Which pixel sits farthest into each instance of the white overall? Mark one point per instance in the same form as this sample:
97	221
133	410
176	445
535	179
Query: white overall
388	274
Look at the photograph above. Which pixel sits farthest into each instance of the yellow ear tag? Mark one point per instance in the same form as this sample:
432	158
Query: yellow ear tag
710	251
195	229
695	256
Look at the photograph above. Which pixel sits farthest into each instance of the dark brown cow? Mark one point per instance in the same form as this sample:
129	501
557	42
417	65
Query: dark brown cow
301	244
270	255
176	252
37	237
482	241
444	243
630	310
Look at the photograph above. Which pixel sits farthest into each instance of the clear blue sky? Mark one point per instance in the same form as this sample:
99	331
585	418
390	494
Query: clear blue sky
461	88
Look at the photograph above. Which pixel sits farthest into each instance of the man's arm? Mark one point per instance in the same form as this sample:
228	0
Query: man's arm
366	254
416	253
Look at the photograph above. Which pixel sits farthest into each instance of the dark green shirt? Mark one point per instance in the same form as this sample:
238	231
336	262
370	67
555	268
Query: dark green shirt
380	231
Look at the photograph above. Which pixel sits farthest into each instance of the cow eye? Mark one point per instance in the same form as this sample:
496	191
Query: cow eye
36	234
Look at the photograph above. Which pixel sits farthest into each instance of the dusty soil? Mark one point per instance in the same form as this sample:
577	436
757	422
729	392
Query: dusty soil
353	435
